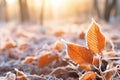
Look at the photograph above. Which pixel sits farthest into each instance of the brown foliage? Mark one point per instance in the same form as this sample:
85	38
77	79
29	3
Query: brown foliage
79	54
88	76
95	39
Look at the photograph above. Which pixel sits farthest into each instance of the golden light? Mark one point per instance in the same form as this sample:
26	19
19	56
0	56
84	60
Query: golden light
10	1
37	3
59	3
55	3
56	6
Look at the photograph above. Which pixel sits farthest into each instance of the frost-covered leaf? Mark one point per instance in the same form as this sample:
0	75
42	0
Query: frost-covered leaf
88	76
95	39
79	54
46	60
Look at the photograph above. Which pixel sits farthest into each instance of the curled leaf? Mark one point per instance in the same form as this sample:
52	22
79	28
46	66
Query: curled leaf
88	76
79	54
95	39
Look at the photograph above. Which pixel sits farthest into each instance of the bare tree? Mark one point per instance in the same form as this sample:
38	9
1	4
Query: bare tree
24	15
108	8
3	9
42	28
42	13
97	8
109	5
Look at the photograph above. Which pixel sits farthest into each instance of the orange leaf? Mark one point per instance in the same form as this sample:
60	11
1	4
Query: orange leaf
20	75
58	45
88	76
43	61
28	60
59	70
108	75
46	60
95	61
95	39
85	66
82	35
79	54
9	44
59	33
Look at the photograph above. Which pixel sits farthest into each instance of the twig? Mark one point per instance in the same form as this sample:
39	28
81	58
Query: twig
100	63
112	69
112	58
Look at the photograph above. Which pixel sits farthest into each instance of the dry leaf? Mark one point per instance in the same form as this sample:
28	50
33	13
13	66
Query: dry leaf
79	54
95	39
108	75
59	33
28	60
59	71
95	61
9	44
66	71
46	60
82	35
20	75
53	57
85	66
43	61
58	45
88	76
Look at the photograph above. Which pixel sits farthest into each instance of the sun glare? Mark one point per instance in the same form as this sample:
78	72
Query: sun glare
56	3
10	1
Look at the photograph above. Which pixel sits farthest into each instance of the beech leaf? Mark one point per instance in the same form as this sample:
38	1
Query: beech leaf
43	61
95	39
79	54
88	76
28	60
46	59
108	75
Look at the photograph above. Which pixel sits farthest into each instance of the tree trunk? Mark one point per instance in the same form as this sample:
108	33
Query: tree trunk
24	15
3	9
42	12
108	9
97	8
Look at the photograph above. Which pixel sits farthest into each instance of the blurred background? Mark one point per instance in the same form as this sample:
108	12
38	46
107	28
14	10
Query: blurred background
44	11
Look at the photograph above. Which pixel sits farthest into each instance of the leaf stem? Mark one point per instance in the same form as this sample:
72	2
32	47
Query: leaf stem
100	63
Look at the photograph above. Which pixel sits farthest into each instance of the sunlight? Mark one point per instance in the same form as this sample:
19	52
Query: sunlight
37	3
57	3
56	6
10	1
